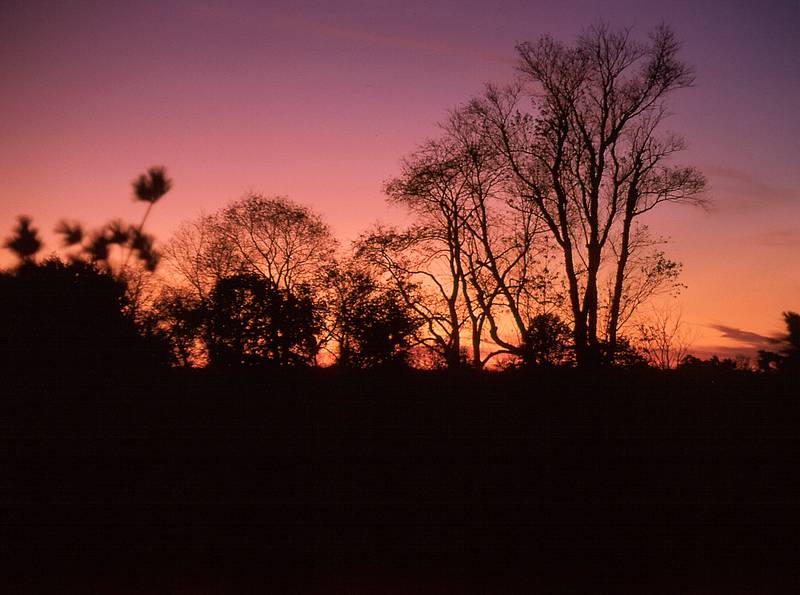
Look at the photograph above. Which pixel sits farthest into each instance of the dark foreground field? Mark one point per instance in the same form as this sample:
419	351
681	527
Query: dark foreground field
324	482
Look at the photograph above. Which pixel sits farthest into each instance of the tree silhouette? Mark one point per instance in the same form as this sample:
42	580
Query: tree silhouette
286	244
98	246
176	316
546	341
248	322
71	233
787	359
25	242
421	266
199	256
373	325
589	161
149	188
663	338
483	258
68	315
624	354
713	364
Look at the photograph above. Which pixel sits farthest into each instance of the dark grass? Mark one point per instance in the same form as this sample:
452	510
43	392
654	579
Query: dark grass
403	482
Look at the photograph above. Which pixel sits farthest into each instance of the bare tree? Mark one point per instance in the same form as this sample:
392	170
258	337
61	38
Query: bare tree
587	157
427	257
648	273
201	256
664	338
283	242
480	254
419	264
505	273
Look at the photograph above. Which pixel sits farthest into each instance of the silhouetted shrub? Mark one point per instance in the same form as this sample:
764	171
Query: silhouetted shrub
374	326
57	314
547	341
625	355
248	321
179	318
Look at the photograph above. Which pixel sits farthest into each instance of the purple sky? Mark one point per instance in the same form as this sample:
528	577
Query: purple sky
320	100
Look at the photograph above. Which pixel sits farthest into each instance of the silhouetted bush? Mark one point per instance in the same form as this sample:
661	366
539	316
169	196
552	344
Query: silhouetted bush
547	341
177	316
623	355
59	315
248	321
374	326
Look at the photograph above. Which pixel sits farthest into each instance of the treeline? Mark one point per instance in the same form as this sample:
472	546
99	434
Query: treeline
525	245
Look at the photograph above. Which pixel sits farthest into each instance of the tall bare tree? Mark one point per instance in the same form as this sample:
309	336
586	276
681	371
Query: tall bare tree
664	338
587	156
418	263
201	256
476	252
505	271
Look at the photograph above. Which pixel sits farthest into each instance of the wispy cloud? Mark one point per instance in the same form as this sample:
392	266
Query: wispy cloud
215	12
782	236
744	185
332	31
750	338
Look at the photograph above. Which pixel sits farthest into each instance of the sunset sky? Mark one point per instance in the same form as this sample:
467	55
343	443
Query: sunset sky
320	100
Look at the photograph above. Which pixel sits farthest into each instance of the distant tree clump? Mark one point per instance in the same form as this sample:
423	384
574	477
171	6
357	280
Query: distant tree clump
712	364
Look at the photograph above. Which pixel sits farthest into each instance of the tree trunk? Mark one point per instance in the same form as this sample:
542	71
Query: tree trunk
619	282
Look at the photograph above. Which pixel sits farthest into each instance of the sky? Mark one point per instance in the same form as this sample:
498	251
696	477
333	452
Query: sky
319	101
